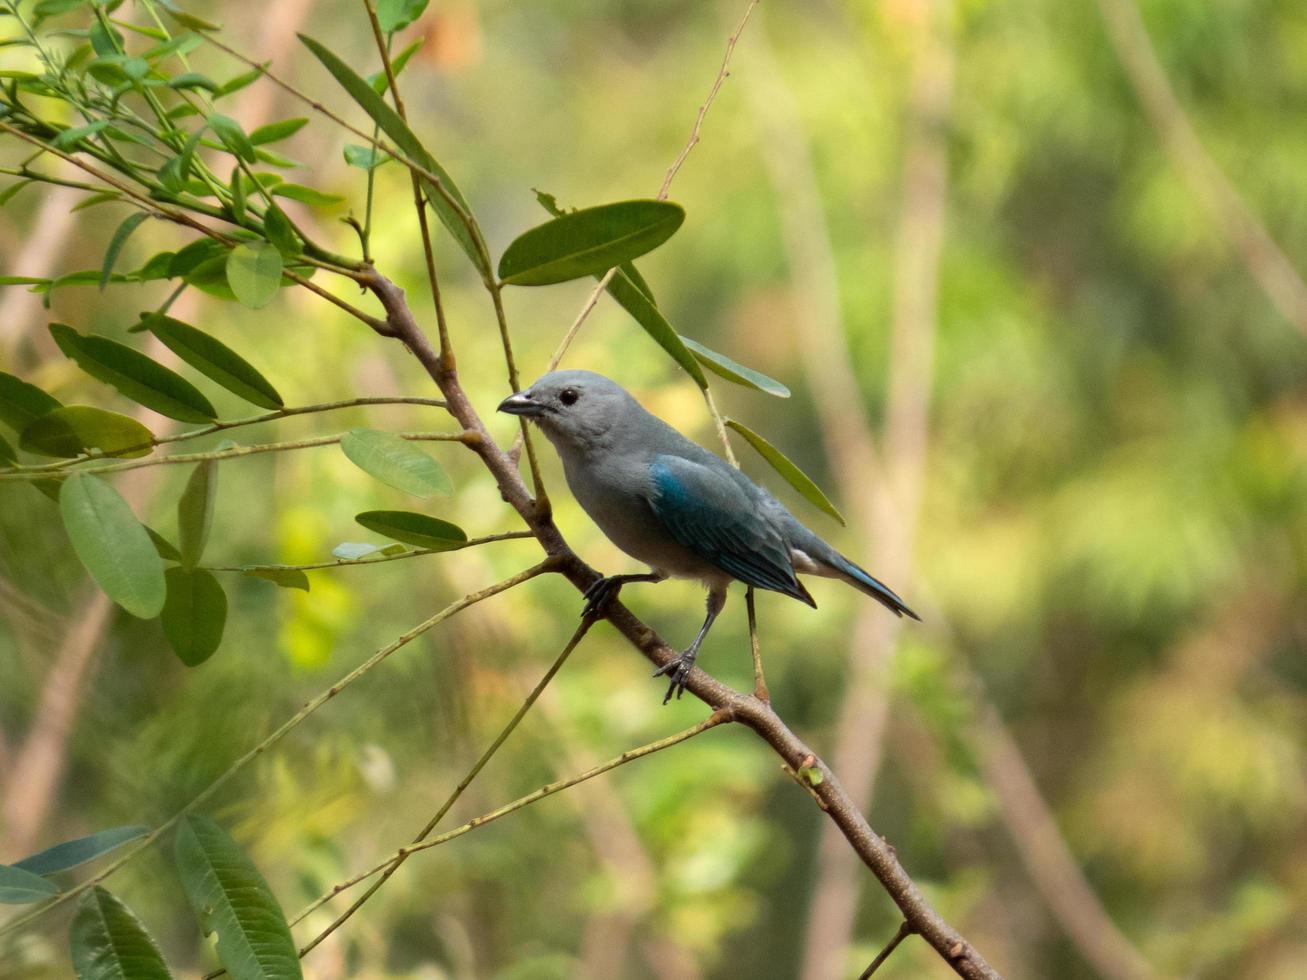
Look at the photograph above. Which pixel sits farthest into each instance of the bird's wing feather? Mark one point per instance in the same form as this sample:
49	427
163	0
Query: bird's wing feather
711	515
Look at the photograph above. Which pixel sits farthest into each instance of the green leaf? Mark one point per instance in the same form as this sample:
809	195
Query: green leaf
794	476
195	511
237	194
287	578
273	132
364	157
628	269
243	80
21	403
194	614
124	232
162	545
108	942
73	853
69	138
732	370
95	199
380	82
193	80
191	256
395	15
112	544
588	242
415	529
186	159
254	273
280	231
76	429
638	304
19	887
212	358
408	144
305	195
395	462
135	375
230	897
232	136
7	453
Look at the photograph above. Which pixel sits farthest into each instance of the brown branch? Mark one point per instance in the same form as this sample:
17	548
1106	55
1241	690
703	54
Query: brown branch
755	714
1265	260
905	930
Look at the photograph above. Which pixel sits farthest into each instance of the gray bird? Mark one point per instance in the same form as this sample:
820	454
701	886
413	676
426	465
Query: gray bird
675	506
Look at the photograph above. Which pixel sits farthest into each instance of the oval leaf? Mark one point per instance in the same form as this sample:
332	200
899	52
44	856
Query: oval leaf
195	511
254	273
277	130
305	195
21	403
415	529
112	544
588	242
73	853
214	359
395	462
733	370
287	578
230	897
194	614
76	429
108	942
794	476
19	887
138	377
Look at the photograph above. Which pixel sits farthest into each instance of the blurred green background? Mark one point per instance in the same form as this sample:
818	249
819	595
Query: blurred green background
951	226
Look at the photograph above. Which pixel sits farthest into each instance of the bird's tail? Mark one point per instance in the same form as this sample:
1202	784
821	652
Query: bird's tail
862	580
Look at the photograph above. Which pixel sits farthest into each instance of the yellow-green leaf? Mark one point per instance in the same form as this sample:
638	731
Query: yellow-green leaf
792	475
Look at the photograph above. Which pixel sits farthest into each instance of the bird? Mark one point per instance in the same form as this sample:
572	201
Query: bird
676	507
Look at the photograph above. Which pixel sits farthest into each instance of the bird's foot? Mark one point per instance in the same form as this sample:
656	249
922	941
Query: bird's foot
599	595
678	671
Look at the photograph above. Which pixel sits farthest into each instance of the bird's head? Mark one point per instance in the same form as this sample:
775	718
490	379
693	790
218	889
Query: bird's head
576	409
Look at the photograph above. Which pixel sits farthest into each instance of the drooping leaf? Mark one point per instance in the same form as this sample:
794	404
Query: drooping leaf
792	475
281	232
413	528
194	614
188	20
73	853
112	544
254	273
305	195
137	376
195	511
395	462
635	302
280	130
108	942
214	359
75	429
193	80
733	370
233	136
286	578
588	242
21	403
408	144
230	897
395	15
19	887
237	185
116	242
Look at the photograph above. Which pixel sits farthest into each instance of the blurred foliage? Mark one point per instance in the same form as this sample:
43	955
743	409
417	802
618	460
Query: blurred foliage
1114	524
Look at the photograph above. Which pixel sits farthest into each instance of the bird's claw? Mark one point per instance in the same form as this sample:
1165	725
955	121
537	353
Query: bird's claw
679	672
599	595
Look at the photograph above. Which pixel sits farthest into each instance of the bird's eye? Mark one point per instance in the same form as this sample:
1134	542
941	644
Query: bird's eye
569	396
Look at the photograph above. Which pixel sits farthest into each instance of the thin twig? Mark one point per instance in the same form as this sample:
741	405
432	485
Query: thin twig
905	930
464	783
281	732
233	452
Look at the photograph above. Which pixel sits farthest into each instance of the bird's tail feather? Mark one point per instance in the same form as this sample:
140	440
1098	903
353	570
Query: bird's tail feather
862	580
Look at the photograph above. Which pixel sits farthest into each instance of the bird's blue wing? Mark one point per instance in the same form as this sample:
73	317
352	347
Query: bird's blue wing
711	515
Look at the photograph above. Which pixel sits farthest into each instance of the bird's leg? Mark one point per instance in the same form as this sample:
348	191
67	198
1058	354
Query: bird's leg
605	590
679	669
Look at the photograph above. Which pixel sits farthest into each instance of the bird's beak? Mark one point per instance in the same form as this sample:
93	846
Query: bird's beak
521	404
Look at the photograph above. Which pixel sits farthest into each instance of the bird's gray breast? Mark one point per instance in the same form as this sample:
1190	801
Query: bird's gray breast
614	489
